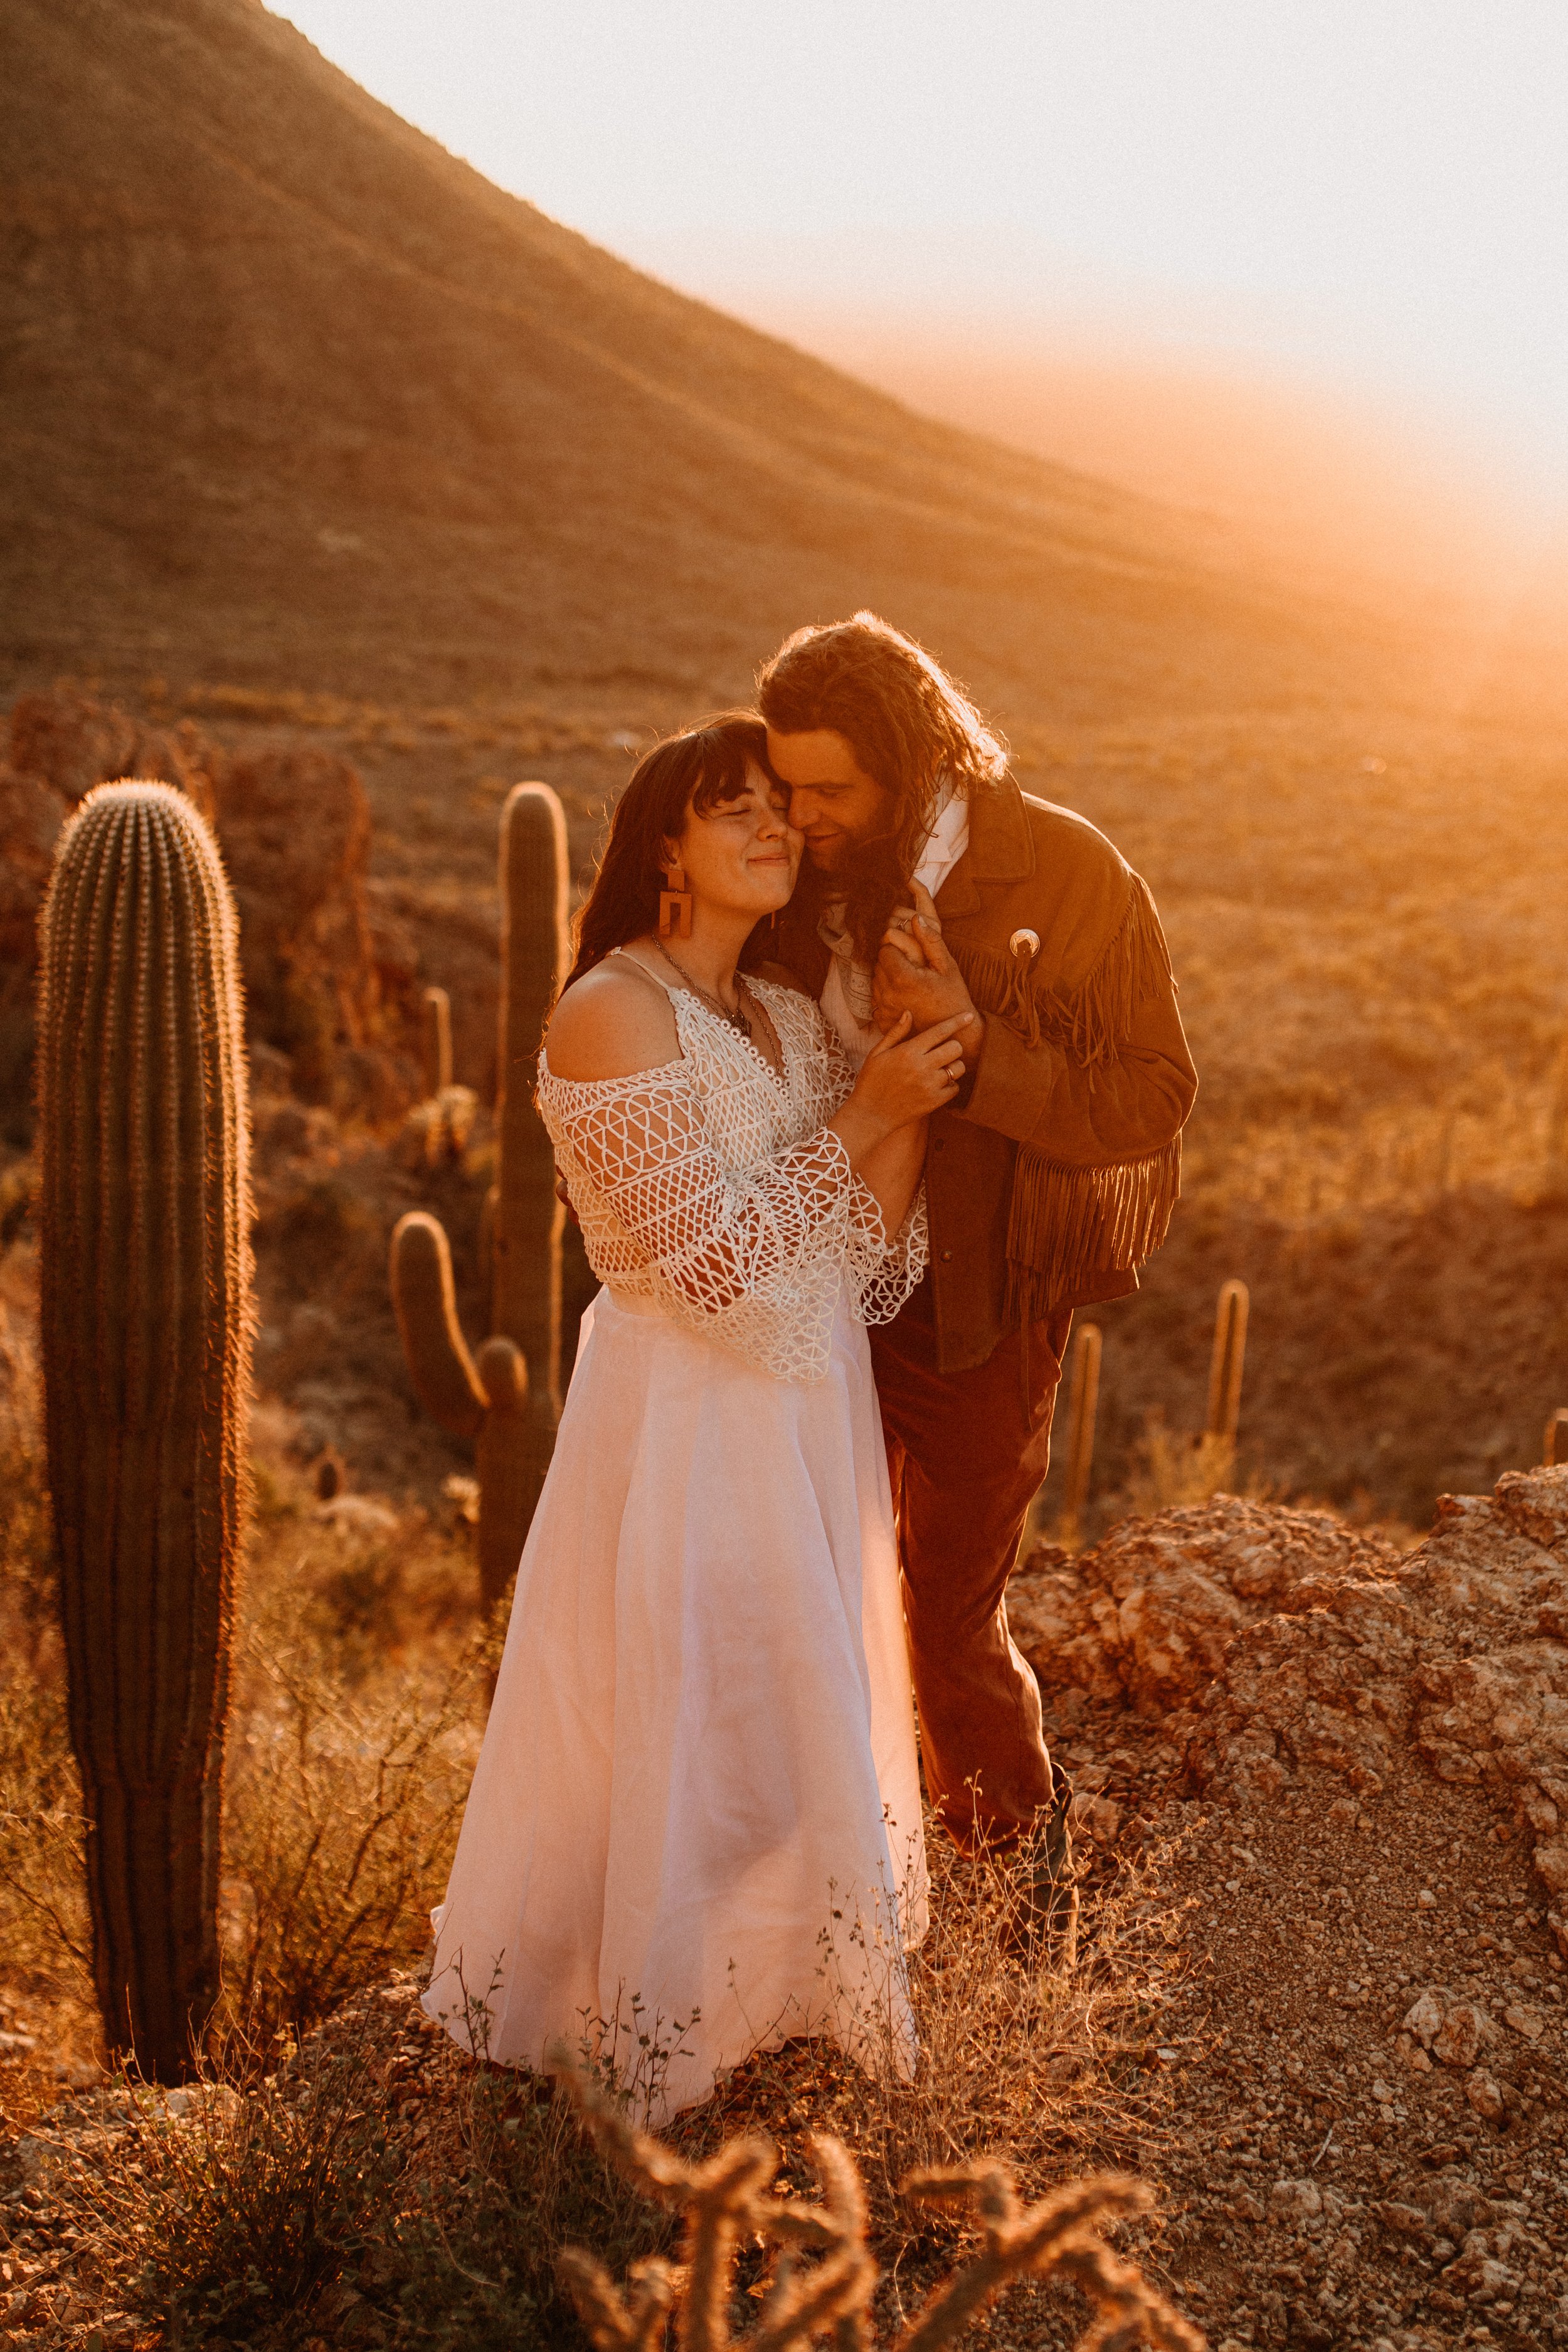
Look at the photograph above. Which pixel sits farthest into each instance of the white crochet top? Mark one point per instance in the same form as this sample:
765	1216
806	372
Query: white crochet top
713	1186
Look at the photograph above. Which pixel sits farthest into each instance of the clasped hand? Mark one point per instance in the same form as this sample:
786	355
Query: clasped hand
916	975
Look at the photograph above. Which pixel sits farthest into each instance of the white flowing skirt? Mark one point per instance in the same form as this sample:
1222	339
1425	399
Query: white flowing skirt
694	1829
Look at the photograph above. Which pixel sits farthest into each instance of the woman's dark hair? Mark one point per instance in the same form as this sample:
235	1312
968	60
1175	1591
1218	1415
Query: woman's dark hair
907	724
698	770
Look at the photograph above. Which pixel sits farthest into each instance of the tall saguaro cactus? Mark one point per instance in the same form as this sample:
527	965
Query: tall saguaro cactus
509	1398
146	1320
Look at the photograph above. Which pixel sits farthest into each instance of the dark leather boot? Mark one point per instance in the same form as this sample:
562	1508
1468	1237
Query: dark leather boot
1046	1927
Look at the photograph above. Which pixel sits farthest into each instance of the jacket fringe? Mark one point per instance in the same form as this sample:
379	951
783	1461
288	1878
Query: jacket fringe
1090	1024
1066	1222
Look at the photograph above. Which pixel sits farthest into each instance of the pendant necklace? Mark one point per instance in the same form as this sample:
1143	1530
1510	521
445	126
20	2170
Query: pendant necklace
736	1020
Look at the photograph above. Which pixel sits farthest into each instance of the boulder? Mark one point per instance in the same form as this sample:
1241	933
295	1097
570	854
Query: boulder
1271	1645
1151	1614
294	828
295	831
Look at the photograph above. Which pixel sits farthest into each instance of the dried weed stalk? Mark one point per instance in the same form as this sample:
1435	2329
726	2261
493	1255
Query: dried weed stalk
727	2198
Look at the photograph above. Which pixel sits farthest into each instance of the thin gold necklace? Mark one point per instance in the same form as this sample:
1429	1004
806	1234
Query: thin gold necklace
736	1020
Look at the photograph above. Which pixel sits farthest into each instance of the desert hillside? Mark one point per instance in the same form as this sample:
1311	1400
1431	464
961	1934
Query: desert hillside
296	398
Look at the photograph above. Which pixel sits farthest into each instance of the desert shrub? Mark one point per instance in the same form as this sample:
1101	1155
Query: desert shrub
1172	1466
1038	2054
227	2209
359	1682
358	1690
44	1931
342	1812
43	1904
506	2182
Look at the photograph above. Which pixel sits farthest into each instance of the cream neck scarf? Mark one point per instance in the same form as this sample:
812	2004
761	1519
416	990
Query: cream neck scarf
846	993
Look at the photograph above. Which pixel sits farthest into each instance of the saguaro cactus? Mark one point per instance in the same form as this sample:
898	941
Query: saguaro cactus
146	1314
1082	1407
436	1042
1227	1362
509	1399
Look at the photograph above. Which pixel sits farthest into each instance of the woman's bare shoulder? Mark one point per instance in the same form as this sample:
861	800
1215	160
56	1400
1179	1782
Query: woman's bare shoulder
615	1021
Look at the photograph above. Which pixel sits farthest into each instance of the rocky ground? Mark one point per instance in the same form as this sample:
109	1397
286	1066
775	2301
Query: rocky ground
1366	2025
1342	1770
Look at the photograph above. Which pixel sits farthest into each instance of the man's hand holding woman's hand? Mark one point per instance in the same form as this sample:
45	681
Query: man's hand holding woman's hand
903	1078
915	974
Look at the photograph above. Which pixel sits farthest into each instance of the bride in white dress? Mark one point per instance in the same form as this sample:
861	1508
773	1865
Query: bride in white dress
694	1830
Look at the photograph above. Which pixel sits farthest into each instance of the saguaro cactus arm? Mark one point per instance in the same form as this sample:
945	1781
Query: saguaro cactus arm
434	1347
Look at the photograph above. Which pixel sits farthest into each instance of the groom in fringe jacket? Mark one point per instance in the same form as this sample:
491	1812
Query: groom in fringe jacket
933	884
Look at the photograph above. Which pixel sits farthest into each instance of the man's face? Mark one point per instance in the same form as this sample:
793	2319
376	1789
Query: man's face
832	800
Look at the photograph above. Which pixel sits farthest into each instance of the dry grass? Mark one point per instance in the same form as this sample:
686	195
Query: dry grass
729	2198
228	2210
371	2184
358	1683
524	730
346	2168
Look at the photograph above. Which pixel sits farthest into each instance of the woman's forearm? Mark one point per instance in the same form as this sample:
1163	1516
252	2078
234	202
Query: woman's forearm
892	1169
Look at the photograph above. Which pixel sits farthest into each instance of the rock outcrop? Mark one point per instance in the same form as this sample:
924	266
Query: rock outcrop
294	828
1272	1645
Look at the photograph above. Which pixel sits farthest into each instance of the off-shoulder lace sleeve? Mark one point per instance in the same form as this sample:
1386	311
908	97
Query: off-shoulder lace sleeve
882	1272
753	1258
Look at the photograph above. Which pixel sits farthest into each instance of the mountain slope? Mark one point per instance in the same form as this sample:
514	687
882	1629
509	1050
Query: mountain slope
294	396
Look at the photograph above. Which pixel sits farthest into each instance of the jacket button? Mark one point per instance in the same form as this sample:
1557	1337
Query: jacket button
947	1257
937	1141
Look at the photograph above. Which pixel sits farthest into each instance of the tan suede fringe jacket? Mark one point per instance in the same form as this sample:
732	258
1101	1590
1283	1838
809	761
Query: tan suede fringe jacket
1056	1178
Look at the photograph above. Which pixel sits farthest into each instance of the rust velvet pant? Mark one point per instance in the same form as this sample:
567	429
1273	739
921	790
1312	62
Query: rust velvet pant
966	1452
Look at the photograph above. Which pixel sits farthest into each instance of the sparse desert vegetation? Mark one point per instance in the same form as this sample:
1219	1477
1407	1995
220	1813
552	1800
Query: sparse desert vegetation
1378	1152
381	493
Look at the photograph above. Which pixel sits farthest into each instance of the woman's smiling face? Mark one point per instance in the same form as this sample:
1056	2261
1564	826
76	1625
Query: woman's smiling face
743	855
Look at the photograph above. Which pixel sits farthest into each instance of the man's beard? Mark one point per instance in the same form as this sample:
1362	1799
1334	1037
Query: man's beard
871	881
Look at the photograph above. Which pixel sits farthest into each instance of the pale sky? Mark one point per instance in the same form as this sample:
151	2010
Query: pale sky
1369	196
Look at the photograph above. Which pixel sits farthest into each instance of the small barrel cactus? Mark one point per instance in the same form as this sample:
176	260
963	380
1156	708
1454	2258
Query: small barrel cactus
509	1399
145	1324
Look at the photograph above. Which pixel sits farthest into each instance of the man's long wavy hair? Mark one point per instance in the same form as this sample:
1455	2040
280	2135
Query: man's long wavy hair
909	726
698	769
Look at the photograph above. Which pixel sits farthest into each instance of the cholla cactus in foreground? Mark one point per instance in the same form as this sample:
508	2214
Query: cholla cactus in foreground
727	2199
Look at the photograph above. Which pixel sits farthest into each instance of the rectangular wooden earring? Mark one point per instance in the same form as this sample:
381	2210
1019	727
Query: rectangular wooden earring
675	905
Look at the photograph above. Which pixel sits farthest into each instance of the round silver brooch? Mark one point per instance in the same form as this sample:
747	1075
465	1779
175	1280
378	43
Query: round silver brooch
1024	943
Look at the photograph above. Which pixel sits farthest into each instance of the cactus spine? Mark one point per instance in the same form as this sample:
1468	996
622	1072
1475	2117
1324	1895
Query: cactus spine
145	1325
508	1401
